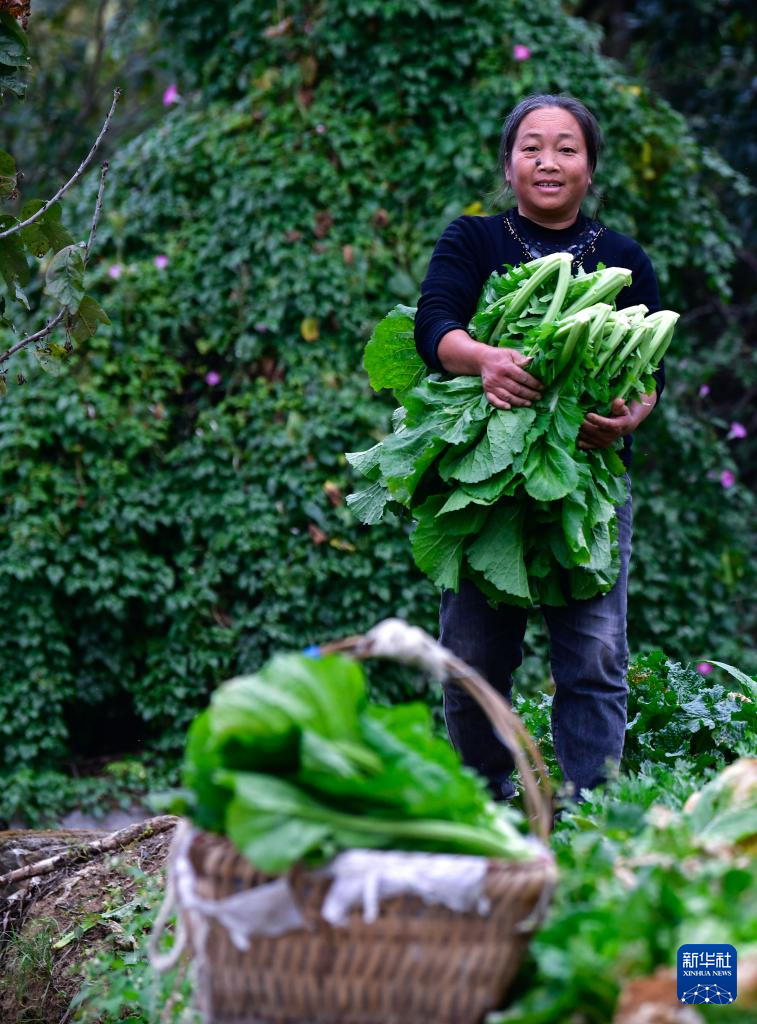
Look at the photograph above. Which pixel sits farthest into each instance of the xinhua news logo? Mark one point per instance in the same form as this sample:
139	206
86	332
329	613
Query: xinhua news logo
707	973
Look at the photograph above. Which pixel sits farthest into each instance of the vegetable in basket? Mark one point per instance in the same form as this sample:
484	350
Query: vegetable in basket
296	763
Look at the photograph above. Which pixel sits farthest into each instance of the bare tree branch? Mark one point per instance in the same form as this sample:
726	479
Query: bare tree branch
98	210
48	329
52	324
72	181
112	841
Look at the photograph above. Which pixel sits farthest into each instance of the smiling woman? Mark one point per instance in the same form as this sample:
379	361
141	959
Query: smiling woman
548	155
549	159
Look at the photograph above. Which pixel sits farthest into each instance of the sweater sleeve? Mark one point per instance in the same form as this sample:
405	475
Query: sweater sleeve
643	290
451	288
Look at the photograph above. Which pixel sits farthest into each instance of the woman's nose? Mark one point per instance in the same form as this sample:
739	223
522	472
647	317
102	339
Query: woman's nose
546	161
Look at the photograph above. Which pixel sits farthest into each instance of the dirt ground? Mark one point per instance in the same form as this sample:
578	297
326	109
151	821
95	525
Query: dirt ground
47	932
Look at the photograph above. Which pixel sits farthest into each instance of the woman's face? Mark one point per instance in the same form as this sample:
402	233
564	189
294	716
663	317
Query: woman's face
548	168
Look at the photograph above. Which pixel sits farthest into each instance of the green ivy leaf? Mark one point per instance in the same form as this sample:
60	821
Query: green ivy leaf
47	232
51	357
14	48
14	56
65	277
14	266
8	174
89	314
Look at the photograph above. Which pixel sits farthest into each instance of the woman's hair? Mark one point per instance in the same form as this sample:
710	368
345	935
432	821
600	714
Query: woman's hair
587	121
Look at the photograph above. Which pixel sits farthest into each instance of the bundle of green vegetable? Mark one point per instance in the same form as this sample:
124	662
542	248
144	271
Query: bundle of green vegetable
506	498
295	763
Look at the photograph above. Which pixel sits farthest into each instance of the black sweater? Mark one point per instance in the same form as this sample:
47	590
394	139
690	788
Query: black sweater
472	247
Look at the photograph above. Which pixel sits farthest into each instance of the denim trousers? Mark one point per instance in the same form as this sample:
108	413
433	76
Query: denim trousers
588	657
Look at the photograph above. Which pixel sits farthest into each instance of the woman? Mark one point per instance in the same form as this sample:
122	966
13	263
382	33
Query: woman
548	153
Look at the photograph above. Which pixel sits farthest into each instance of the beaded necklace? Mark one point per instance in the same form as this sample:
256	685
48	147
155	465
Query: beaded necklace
533	248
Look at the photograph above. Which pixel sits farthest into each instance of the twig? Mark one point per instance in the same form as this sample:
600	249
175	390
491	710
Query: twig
98	210
52	324
72	181
123	837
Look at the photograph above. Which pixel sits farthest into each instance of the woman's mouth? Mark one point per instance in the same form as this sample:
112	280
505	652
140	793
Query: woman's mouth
546	186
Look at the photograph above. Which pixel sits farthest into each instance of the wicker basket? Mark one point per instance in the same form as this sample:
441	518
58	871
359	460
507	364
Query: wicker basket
418	963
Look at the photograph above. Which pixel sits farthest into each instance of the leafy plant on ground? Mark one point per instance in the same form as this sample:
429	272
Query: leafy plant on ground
676	712
636	881
119	982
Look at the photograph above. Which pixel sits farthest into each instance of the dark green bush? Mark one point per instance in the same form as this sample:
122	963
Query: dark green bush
162	531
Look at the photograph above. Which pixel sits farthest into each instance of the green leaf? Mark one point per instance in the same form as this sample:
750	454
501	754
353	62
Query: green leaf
14	265
369	504
366	463
47	232
497	553
8	175
391	359
13	56
291	692
438	543
51	358
741	677
14	46
64	279
505	437
86	319
574	514
406	455
549	470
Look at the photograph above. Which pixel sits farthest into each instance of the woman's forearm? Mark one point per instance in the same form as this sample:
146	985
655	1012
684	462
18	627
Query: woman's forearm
459	353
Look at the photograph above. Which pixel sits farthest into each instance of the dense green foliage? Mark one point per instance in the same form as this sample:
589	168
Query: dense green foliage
639	877
80	52
172	507
700	57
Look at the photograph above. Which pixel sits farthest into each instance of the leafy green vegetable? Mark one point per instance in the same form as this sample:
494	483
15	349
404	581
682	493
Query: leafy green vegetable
676	712
294	762
638	878
507	498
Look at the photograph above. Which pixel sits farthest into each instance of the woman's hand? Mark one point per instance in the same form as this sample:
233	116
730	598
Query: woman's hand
600	431
505	380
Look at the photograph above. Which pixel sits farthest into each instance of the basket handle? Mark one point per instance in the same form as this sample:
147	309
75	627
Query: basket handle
397	641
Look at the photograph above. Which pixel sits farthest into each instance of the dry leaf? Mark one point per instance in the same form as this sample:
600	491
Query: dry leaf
19	9
279	29
333	493
316	534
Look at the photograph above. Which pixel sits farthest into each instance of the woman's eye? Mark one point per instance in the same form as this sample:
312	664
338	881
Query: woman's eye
567	149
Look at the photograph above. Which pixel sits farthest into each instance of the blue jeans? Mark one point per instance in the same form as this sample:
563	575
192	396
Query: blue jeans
589	659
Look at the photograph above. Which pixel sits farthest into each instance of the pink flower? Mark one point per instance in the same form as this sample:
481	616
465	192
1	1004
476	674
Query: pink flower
320	129
170	96
212	379
727	478
161	261
115	271
737	432
521	52
704	391
704	668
